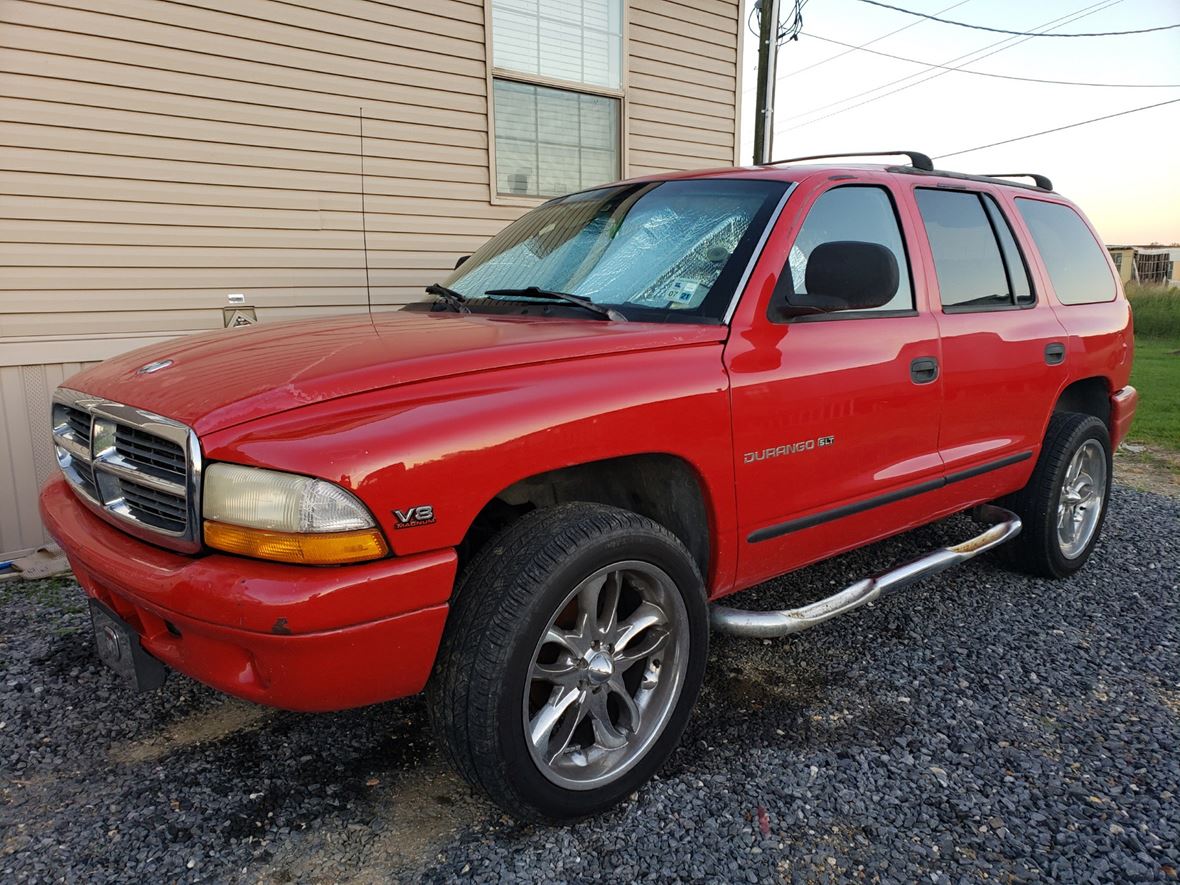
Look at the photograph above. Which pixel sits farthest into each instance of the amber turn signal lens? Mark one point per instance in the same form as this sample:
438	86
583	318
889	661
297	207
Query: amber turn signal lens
328	548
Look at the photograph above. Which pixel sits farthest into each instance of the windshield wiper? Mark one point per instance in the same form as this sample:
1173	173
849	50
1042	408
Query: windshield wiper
576	300
456	301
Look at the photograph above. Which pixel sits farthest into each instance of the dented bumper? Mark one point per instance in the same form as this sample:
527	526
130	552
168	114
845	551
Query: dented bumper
296	637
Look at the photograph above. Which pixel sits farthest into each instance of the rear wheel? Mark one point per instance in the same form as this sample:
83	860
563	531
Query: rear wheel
1064	504
573	656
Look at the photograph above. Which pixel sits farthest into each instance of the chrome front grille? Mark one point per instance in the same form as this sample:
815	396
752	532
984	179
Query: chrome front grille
152	453
138	470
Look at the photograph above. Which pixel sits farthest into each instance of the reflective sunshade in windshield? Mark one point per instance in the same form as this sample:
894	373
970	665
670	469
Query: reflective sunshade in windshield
660	246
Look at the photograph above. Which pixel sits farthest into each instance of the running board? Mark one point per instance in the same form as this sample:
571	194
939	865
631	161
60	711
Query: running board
1004	525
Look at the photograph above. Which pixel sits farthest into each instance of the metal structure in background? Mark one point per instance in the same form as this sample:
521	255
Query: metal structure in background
768	39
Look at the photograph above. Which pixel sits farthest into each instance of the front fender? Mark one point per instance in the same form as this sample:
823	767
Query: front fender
453	444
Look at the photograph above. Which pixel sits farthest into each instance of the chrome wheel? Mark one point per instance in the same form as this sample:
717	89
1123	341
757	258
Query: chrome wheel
1080	502
606	675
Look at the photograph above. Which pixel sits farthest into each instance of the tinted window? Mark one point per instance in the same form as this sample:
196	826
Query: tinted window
1014	266
967	259
1076	264
853	213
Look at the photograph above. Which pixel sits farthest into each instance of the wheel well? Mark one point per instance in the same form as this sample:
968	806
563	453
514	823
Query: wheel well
663	488
1090	396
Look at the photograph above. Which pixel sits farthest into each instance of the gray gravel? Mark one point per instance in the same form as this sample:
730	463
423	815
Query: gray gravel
980	726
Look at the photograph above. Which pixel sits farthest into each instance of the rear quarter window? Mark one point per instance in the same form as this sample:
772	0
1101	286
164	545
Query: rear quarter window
1076	262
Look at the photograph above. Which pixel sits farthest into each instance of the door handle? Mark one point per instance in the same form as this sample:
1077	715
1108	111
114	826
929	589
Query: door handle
923	370
1054	353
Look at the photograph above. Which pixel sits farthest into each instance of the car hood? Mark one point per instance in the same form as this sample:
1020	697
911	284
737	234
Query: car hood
218	379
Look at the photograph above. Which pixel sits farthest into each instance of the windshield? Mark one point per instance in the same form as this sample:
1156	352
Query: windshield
655	250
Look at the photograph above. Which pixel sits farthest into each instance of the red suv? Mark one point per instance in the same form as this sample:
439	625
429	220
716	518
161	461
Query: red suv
526	493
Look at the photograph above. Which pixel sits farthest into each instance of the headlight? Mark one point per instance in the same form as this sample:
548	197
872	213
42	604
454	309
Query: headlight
286	517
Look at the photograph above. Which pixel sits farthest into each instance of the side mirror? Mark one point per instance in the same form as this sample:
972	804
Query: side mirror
844	275
459	261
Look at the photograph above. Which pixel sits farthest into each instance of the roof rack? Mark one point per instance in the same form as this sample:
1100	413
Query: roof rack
917	160
1041	181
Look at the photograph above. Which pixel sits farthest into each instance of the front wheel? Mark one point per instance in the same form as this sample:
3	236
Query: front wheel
573	655
1064	504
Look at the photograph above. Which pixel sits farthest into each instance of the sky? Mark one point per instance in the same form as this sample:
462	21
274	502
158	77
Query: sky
1124	172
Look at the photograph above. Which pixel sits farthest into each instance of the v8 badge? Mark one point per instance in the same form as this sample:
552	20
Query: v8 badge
413	517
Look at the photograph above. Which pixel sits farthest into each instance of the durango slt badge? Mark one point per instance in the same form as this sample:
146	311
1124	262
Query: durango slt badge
790	449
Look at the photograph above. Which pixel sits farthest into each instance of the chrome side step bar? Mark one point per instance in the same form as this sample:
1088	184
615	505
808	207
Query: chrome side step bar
1004	525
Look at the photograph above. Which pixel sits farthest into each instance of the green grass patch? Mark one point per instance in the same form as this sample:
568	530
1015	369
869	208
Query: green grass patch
1156	375
1157	311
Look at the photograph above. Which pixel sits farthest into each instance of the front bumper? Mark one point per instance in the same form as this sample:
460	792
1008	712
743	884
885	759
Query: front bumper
296	637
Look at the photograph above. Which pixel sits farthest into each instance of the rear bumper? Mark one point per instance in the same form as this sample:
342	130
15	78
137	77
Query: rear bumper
296	637
1122	412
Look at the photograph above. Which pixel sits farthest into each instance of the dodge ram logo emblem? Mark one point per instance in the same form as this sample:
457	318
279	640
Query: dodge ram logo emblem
153	367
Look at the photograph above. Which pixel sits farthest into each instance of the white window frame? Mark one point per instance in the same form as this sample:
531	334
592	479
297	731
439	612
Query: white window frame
494	73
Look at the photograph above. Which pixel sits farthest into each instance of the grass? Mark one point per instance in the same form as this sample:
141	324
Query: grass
1156	374
1157	311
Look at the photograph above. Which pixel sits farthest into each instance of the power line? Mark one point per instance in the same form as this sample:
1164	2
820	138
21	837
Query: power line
1010	42
947	21
961	70
869	43
1146	107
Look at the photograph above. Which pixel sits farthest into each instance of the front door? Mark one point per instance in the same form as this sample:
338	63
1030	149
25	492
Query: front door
835	415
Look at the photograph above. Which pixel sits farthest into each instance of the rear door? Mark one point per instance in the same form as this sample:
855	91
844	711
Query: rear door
835	416
1004	354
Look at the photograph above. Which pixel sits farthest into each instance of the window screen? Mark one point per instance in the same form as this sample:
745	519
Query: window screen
973	274
1074	259
553	141
576	40
853	212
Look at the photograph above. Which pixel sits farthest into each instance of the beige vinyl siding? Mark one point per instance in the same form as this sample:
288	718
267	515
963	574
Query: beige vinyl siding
156	155
25	459
682	86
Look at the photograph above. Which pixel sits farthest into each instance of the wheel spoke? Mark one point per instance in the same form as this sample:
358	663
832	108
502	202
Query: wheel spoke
648	614
633	715
560	740
608	620
651	641
559	673
606	734
568	641
541	725
588	598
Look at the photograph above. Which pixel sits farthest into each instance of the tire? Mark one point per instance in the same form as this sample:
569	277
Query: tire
492	691
1072	440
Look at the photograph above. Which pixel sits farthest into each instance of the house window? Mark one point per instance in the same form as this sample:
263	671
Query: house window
556	92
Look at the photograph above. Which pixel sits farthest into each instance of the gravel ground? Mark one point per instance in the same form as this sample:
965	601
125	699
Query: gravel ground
980	726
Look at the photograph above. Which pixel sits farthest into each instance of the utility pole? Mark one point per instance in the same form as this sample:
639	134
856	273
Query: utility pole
767	59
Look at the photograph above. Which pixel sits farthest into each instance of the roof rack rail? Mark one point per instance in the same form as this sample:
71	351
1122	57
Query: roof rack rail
917	160
1041	181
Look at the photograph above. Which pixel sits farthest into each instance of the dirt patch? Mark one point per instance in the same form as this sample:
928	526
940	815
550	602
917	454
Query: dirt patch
226	718
1170	700
419	813
1149	469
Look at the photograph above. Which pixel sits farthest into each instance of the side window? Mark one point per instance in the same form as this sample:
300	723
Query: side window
975	255
1017	271
853	212
1076	265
